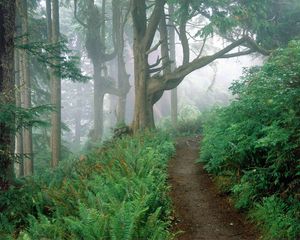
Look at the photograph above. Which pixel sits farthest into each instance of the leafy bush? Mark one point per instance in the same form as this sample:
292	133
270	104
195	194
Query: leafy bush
116	192
256	141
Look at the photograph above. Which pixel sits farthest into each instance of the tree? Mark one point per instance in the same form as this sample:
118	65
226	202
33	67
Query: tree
96	47
174	99
7	95
55	89
150	80
123	78
25	87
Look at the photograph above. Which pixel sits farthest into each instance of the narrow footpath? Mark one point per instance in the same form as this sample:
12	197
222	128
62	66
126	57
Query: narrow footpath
200	211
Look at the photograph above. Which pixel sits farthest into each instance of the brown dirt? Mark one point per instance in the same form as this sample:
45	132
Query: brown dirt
200	210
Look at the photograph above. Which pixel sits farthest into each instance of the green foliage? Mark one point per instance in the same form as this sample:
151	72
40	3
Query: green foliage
256	140
17	118
115	192
273	22
49	54
278	219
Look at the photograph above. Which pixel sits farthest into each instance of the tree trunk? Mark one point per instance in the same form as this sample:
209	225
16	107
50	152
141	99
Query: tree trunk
7	95
19	135
78	119
55	92
123	77
142	113
98	102
174	99
26	89
143	108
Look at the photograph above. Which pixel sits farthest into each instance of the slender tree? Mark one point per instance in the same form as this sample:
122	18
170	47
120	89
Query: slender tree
174	97
55	89
120	19
19	134
25	86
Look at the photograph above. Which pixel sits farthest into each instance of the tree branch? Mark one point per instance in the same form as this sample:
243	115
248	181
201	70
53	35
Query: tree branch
172	80
76	17
155	47
238	54
153	22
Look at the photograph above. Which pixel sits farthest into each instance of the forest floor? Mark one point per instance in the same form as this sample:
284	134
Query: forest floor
200	210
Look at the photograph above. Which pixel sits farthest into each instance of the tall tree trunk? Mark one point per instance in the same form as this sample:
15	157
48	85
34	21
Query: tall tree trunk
55	91
123	77
98	102
143	110
19	134
26	89
142	113
174	98
144	32
7	95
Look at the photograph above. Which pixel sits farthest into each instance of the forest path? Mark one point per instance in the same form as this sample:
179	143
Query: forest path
200	211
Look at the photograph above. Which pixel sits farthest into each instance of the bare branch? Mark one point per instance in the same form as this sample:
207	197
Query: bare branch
155	47
158	60
203	45
238	54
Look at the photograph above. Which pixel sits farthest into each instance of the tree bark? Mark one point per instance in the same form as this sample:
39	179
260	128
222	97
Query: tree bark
19	134
143	38
7	95
55	92
98	101
174	97
25	84
123	77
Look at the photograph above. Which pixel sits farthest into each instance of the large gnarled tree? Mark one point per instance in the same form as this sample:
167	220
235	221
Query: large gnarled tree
152	80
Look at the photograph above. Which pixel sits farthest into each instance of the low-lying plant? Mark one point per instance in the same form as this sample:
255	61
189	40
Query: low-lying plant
119	192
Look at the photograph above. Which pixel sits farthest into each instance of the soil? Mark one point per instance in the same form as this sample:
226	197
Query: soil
201	212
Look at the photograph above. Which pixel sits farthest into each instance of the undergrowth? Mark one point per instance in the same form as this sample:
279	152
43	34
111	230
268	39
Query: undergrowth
116	192
255	144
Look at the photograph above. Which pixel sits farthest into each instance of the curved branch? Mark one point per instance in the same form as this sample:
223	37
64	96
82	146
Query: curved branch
172	80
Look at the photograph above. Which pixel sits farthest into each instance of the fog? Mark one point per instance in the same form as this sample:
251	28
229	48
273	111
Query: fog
202	90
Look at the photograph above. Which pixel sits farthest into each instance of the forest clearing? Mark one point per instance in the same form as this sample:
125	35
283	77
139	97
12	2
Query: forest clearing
149	119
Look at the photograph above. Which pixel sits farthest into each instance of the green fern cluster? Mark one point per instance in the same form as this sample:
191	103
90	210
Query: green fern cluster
117	192
255	142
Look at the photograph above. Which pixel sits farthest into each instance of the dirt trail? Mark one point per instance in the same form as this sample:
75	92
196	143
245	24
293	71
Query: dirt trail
199	210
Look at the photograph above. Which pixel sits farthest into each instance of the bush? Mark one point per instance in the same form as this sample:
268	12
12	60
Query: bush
117	192
256	140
